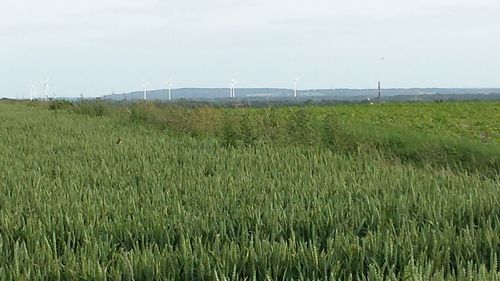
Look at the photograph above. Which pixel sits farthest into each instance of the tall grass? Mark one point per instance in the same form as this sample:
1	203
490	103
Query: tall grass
77	205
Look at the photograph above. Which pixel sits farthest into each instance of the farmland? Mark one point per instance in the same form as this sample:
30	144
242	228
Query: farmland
97	191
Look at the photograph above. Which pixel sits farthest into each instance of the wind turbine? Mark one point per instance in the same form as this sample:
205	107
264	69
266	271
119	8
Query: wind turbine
32	91
46	88
233	89
145	93
170	89
379	87
295	85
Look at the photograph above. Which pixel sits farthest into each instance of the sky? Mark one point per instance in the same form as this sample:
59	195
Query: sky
95	47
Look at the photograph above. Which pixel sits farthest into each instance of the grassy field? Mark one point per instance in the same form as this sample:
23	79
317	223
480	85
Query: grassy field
147	192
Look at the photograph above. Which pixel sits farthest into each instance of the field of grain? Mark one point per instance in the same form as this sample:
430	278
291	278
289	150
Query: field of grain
145	192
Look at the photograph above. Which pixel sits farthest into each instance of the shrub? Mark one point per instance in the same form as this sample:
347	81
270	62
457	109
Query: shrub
60	105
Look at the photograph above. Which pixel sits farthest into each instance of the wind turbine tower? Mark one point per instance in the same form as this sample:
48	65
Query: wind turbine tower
379	86
233	89
32	92
379	90
46	89
170	90
295	87
145	93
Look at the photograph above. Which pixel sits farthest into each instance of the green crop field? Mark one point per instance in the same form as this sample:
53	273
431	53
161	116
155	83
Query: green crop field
479	121
98	191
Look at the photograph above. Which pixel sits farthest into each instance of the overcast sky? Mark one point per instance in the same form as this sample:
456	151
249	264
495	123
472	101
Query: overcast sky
99	46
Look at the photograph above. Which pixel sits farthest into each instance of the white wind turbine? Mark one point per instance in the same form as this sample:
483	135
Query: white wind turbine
170	84
46	88
32	91
295	87
233	89
145	93
379	84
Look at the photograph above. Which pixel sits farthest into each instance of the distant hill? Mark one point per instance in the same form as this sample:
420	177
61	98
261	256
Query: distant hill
315	94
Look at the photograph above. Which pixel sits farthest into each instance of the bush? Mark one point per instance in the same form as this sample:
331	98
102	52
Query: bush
60	105
94	109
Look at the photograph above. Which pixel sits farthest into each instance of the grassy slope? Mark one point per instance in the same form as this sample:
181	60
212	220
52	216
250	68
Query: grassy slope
76	204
